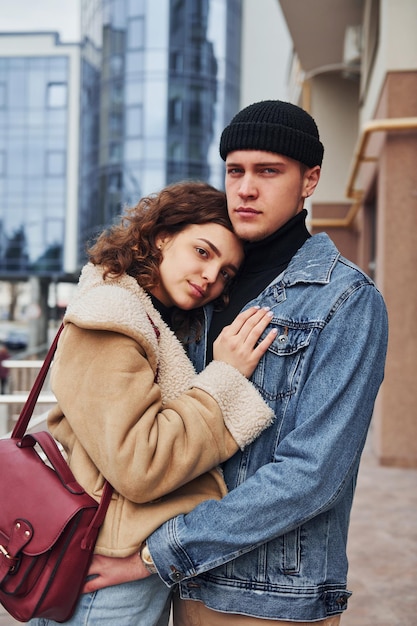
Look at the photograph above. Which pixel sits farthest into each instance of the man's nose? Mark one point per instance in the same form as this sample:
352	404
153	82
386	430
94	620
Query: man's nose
247	187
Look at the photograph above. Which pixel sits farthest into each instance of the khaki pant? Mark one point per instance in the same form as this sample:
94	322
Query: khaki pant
193	613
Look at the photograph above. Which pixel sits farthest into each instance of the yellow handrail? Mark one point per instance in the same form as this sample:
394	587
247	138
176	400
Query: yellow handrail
373	126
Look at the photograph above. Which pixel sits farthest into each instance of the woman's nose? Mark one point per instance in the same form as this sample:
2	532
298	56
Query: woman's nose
210	273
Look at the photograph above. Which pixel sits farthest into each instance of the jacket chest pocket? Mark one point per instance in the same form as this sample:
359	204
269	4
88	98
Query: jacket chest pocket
279	371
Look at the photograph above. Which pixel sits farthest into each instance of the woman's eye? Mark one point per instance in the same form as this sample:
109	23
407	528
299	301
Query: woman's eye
226	275
201	252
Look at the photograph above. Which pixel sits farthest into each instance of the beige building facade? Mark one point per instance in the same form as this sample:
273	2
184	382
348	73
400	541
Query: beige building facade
354	68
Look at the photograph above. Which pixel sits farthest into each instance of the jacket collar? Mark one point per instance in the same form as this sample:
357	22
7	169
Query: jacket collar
312	263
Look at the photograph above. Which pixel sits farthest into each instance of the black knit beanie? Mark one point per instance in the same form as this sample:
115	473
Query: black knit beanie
274	126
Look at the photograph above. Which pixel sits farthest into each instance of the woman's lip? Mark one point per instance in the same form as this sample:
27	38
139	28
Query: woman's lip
198	290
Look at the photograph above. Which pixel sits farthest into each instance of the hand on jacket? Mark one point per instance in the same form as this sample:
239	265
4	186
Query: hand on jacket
236	344
105	571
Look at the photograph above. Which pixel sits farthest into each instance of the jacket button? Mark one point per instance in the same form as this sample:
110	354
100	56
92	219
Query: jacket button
283	339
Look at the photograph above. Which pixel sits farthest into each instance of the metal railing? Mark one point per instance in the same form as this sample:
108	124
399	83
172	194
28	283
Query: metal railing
22	374
360	157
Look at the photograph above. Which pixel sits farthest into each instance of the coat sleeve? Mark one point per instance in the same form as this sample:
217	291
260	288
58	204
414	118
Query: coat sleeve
110	404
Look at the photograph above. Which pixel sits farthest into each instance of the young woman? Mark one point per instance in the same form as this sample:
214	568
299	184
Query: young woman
130	408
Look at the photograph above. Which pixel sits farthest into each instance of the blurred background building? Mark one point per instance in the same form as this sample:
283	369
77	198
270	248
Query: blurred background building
39	157
132	98
87	128
137	98
159	80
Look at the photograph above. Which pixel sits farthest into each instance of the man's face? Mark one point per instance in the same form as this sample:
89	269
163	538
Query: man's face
264	190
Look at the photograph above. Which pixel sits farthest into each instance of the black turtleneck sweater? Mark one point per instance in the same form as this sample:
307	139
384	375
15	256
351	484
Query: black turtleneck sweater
264	261
165	311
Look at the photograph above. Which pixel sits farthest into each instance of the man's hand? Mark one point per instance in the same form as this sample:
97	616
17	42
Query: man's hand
106	571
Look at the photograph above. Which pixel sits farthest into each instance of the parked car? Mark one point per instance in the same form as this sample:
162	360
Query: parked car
16	340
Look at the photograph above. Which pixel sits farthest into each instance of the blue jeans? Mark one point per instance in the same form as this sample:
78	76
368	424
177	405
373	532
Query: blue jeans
139	603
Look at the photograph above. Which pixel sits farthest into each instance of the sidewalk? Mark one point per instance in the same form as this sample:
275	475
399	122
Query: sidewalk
382	548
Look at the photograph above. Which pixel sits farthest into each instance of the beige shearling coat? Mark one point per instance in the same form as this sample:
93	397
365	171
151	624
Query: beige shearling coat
131	408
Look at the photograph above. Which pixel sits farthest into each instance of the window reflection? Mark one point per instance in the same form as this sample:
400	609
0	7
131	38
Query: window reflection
167	75
134	121
55	163
33	96
134	62
136	33
56	95
135	7
116	64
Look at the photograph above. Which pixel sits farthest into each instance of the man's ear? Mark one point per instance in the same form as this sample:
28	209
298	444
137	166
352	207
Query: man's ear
311	179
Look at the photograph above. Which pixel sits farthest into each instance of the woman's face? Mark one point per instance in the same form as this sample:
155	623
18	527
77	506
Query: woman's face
196	265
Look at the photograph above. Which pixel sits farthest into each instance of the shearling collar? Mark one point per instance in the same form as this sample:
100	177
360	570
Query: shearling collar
121	305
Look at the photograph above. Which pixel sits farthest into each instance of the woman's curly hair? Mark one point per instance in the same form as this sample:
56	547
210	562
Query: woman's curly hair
129	246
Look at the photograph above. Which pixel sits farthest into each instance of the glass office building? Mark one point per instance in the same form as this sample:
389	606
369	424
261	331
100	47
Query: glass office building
35	150
88	128
33	124
160	79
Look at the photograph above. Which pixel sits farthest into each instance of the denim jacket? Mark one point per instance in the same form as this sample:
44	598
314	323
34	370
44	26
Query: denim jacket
275	546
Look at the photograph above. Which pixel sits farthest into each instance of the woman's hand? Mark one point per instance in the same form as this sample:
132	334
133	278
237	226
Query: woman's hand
236	344
106	571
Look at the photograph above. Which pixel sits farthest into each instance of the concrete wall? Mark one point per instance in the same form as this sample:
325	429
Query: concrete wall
395	432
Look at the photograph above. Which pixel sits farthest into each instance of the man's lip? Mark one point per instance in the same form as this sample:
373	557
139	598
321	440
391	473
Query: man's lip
246	210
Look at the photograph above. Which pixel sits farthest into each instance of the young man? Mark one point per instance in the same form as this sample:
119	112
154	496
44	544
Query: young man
273	551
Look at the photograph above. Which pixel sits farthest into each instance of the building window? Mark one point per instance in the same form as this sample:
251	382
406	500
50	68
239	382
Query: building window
115	152
134	62
370	37
177	15
116	93
135	7
133	92
134	122
56	95
176	151
176	61
194	151
116	65
2	95
55	163
196	107
114	182
116	123
175	111
136	33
